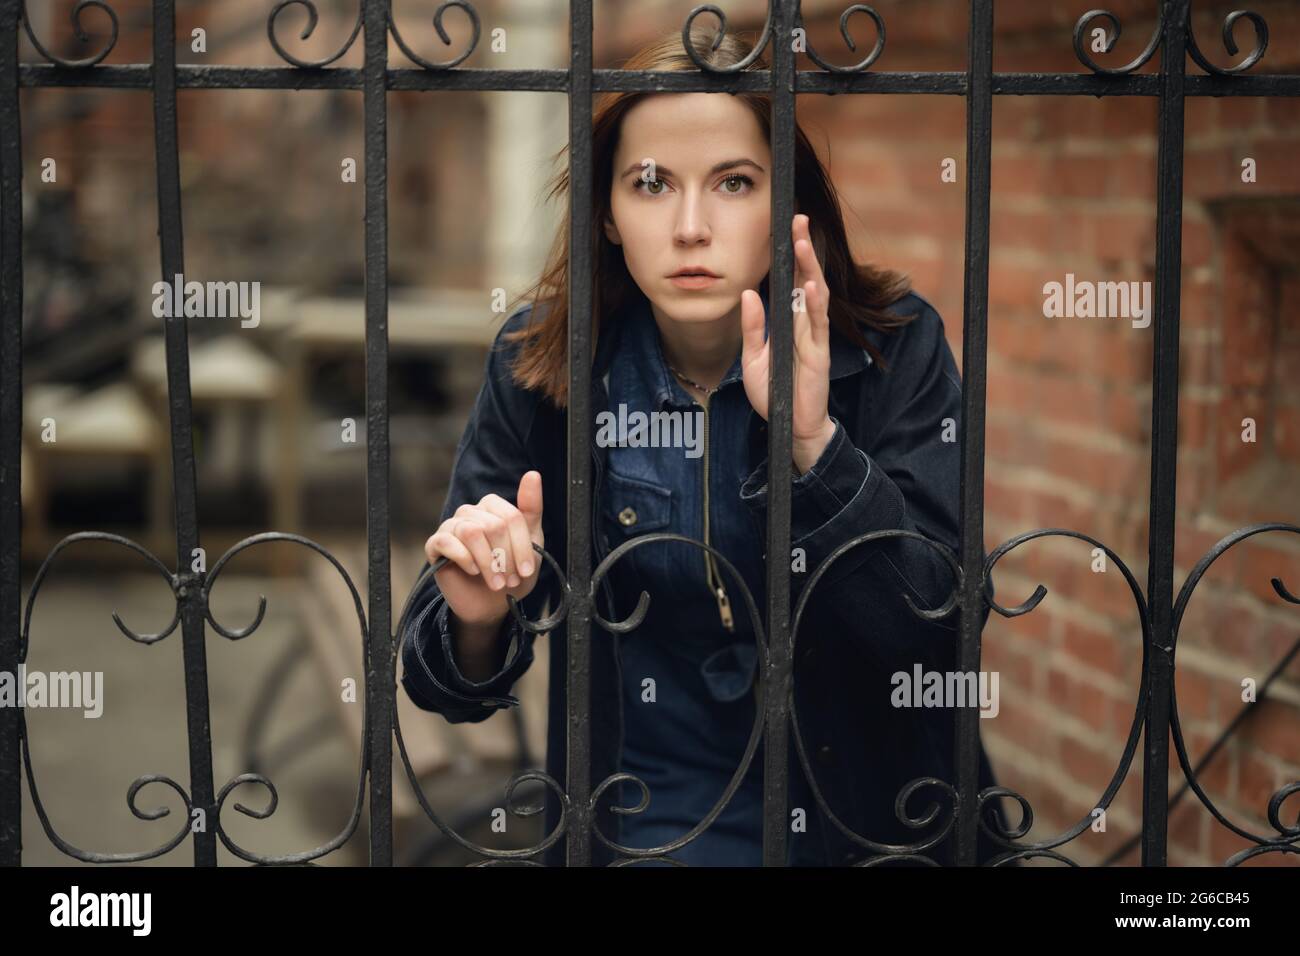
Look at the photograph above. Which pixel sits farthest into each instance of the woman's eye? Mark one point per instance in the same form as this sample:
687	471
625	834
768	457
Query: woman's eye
739	178
734	185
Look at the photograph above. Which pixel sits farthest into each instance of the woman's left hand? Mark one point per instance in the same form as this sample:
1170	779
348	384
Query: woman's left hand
812	427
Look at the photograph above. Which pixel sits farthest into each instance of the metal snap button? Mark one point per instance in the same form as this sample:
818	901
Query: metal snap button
627	517
825	754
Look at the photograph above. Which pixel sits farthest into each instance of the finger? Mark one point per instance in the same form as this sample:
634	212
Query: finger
475	537
805	254
442	544
808	269
751	325
803	337
529	501
521	546
820	320
498	535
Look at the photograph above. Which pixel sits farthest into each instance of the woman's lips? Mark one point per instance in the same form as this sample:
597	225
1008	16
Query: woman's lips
694	281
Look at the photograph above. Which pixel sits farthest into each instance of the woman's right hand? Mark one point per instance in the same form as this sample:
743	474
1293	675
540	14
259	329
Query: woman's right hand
489	547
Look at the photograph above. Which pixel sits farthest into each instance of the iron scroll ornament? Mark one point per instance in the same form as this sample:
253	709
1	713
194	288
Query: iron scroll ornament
760	44
494	857
188	588
313	17
886	853
90	856
364	768
1044	848
1081	30
75	16
871	57
633	855
1288	835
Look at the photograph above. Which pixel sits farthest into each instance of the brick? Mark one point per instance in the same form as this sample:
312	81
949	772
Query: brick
1236	113
1216	776
1286	434
1192	690
1130	117
1275	166
1027	175
1281	113
1275	730
1198	242
1257	781
1185	824
1076	698
1033	231
1198	118
1025	728
1090	767
1124	237
1082	177
1016	668
1108	472
1264	562
1232	454
1224	843
1194	415
1126	352
1003	501
1131	174
1213	171
1014	291
1127	413
1199	307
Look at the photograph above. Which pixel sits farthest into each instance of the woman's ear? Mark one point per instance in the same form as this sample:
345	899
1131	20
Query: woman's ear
611	232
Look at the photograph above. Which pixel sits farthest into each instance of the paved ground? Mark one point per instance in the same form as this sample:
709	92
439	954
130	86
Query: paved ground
84	767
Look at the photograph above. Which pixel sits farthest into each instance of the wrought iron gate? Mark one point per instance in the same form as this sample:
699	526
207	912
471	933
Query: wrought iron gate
1160	610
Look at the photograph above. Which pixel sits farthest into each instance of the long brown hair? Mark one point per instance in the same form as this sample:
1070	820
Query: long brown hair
859	293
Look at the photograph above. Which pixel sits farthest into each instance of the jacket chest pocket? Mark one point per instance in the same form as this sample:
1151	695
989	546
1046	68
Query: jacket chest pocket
631	508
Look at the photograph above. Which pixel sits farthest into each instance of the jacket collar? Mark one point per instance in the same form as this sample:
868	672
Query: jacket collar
846	357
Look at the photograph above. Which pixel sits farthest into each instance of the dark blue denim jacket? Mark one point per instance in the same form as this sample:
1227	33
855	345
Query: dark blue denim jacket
887	466
685	732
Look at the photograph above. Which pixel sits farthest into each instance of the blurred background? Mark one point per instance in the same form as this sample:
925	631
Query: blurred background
1068	421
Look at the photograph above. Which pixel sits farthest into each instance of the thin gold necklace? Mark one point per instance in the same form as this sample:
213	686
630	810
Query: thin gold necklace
707	391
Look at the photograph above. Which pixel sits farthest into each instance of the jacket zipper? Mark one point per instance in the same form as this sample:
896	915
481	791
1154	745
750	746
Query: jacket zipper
712	577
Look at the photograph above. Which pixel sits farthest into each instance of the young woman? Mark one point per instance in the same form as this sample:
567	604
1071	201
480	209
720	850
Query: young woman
682	216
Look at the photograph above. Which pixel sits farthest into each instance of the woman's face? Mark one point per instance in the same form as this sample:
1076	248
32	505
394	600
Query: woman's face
691	184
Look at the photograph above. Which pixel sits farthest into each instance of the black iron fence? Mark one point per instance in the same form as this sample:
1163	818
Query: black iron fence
1160	611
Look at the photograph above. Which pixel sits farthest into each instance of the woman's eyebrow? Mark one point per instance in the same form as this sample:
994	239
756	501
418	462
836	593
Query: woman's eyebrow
717	168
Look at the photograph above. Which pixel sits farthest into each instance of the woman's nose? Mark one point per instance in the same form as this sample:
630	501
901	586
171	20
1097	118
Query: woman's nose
691	222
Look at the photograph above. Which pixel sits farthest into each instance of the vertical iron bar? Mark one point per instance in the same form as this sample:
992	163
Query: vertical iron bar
974	370
11	428
776	743
1164	434
380	649
184	483
578	752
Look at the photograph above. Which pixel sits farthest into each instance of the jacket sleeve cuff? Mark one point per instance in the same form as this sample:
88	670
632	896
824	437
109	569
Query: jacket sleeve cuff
843	495
499	684
435	683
